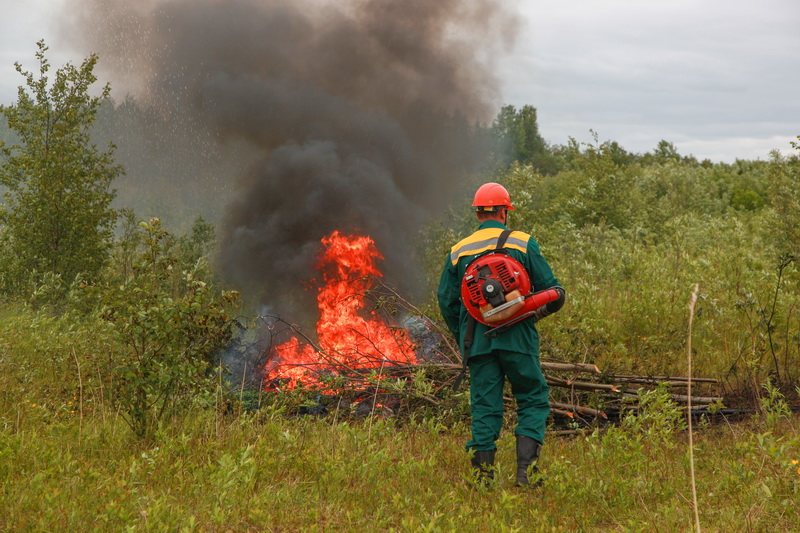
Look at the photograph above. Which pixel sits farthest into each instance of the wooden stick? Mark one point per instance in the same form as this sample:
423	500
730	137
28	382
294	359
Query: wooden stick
646	381
688	398
683	398
582	385
626	377
565	432
546	365
561	412
570	367
582	431
588	411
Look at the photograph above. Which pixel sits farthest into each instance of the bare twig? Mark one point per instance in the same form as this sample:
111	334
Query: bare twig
569	367
699	399
582	385
241	390
102	393
652	379
692	303
587	411
374	403
80	393
455	352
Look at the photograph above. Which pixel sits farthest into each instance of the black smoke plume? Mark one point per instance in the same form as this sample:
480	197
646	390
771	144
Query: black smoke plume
362	113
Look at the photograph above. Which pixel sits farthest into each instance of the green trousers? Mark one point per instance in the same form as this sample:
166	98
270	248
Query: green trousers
487	375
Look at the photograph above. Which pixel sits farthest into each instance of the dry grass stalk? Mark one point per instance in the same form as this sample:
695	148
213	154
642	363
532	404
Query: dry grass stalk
692	303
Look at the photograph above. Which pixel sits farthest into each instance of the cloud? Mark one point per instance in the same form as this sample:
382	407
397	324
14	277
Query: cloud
25	23
704	75
636	72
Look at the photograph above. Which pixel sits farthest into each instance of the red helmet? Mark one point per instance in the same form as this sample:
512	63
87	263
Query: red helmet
492	195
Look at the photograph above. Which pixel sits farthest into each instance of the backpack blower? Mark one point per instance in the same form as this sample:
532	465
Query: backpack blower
496	290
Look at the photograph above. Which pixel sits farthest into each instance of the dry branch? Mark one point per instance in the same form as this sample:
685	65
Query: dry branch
581	385
569	367
683	398
581	410
652	379
647	381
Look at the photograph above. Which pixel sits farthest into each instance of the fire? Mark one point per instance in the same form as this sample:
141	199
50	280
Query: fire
347	340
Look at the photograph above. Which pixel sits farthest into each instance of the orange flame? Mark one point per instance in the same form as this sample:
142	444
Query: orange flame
347	340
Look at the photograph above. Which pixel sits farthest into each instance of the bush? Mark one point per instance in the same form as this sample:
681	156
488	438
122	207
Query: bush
168	326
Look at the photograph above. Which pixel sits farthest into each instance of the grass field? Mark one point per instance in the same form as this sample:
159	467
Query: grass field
265	471
69	462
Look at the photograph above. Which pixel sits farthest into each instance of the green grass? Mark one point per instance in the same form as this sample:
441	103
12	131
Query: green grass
267	472
68	462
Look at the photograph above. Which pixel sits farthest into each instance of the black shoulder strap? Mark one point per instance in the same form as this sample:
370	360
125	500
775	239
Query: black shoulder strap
501	240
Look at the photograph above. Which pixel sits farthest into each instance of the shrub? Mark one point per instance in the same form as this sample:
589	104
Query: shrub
168	326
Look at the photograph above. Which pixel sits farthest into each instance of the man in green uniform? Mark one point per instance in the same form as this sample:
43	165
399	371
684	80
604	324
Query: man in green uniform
512	354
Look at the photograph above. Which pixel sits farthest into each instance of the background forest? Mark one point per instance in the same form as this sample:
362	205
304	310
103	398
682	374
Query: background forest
119	409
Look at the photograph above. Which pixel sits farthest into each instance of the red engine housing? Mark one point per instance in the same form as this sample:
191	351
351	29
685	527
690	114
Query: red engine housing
498	270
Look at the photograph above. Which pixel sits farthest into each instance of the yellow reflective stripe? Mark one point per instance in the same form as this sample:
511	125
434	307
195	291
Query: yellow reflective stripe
486	239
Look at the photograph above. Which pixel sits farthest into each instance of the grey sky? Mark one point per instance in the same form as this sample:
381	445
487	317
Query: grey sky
718	78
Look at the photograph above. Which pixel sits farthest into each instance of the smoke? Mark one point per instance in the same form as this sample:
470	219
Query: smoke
361	113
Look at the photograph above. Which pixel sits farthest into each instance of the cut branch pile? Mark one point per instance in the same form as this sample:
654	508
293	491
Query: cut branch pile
574	385
611	394
581	394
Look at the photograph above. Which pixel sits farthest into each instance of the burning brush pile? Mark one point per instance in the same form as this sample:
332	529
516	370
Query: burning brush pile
370	343
352	340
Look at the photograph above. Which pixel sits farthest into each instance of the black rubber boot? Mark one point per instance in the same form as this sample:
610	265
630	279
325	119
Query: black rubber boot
527	454
483	464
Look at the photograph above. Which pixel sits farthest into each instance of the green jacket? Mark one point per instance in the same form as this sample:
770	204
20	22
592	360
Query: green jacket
520	338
